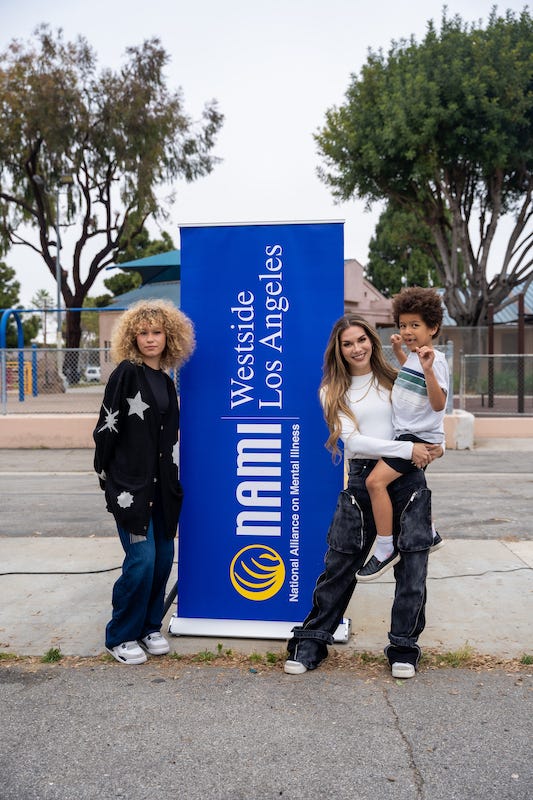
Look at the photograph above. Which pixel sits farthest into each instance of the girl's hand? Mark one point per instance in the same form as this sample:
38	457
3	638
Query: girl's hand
421	456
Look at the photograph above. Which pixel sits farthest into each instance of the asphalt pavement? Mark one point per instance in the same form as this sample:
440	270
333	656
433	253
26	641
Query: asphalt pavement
169	731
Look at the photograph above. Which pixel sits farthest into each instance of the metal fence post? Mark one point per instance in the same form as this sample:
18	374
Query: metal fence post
449	358
462	382
3	379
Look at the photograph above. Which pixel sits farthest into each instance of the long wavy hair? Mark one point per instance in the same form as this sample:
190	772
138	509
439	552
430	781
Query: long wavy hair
162	314
336	377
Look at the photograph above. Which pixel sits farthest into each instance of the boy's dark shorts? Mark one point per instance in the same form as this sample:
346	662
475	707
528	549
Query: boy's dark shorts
402	465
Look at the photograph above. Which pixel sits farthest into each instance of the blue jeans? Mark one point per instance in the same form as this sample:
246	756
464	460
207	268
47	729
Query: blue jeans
350	538
139	594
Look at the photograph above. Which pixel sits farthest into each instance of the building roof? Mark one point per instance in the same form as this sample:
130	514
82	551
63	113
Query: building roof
158	290
362	297
507	315
161	267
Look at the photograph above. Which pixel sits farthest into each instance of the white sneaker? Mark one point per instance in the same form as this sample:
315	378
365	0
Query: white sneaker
128	653
403	670
294	667
155	644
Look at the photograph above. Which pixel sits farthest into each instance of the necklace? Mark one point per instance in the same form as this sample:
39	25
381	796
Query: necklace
366	386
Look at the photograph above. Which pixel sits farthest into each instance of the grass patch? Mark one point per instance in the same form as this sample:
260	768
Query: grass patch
273	658
7	656
457	658
526	659
52	656
204	656
370	658
255	658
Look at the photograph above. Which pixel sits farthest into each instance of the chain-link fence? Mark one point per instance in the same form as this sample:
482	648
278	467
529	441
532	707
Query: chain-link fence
50	380
47	380
494	385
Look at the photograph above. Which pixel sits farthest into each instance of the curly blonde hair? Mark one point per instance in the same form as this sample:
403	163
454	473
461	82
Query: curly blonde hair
177	326
336	378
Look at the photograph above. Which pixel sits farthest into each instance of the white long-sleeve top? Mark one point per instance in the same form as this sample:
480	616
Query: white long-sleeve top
373	436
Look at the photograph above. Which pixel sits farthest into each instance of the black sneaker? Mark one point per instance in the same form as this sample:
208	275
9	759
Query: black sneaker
438	542
374	568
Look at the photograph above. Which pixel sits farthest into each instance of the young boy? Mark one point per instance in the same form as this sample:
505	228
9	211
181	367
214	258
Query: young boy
418	407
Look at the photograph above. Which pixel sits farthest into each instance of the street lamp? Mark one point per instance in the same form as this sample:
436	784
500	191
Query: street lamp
64	180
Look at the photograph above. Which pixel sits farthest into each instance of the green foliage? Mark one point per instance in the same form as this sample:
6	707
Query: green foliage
526	659
9	298
136	243
444	129
255	658
402	252
123	282
117	135
272	658
205	656
52	656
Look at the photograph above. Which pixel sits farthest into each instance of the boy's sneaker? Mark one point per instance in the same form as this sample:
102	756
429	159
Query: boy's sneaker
155	644
374	568
401	669
438	542
128	653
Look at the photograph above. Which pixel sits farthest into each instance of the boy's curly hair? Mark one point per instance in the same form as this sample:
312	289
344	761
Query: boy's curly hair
177	326
416	300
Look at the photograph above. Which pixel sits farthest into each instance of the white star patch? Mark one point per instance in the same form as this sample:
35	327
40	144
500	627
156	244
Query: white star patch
176	454
101	475
125	499
110	421
137	405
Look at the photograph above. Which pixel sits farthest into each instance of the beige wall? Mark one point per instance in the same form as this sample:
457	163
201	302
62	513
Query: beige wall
66	431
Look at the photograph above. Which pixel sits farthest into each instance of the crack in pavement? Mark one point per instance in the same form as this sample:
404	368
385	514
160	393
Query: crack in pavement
417	775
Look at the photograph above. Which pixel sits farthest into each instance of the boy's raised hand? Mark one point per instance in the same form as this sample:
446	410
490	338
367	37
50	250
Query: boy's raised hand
426	356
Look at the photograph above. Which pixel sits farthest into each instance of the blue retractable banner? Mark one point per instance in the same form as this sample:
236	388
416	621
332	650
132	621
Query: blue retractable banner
260	488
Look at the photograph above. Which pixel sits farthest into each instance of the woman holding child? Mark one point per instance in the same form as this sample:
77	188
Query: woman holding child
355	394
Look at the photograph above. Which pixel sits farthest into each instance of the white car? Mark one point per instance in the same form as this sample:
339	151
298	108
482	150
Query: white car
92	374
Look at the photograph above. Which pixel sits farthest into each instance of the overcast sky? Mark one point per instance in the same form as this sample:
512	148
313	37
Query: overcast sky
274	67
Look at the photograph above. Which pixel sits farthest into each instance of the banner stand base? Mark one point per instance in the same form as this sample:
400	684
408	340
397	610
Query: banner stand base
245	629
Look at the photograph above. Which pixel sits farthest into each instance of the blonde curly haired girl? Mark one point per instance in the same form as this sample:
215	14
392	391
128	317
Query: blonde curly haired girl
162	314
137	463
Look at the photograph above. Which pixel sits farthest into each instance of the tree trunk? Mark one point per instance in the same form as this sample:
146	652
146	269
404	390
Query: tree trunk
71	368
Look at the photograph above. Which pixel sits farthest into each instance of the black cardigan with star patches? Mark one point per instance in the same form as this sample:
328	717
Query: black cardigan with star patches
136	447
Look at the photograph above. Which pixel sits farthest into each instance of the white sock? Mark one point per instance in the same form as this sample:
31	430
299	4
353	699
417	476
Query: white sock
384	547
433	530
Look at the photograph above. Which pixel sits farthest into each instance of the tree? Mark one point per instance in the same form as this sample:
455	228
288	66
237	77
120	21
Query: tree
9	298
444	129
119	136
402	252
141	246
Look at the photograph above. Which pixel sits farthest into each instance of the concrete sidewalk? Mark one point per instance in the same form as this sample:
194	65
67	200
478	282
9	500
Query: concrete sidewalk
56	591
479	592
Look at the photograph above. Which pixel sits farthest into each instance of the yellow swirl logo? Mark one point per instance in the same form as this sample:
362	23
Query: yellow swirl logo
257	572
